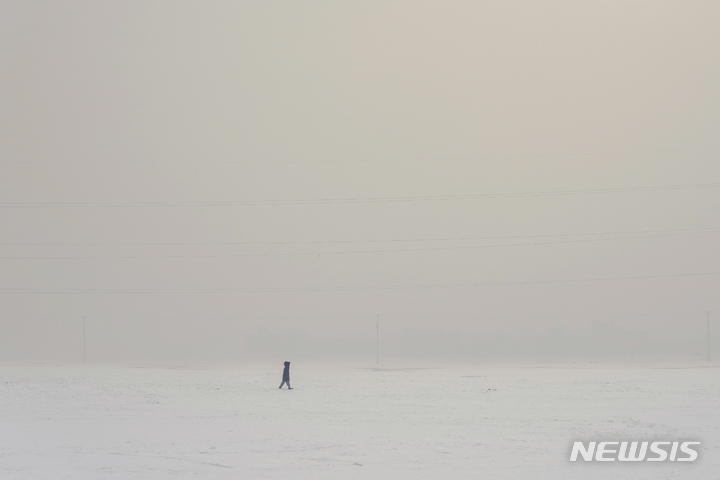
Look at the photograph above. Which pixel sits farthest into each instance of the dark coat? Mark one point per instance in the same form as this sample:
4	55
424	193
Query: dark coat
286	372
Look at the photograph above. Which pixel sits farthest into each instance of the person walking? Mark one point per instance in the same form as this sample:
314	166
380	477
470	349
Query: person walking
286	376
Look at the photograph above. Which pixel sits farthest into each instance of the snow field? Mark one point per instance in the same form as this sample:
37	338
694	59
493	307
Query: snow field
350	420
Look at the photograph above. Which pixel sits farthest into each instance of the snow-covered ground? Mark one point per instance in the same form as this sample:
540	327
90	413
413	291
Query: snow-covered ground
406	419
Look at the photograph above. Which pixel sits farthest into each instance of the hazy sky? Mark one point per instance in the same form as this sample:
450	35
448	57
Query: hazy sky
295	107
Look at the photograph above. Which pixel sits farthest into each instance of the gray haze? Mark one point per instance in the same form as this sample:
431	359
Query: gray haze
124	126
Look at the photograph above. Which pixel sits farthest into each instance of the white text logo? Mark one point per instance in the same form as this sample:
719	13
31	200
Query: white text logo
634	451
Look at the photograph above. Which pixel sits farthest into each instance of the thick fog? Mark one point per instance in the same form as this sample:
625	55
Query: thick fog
207	181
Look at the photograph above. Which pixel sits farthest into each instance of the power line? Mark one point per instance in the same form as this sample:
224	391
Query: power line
559	317
327	201
346	252
235	317
373	315
395	240
342	288
366	160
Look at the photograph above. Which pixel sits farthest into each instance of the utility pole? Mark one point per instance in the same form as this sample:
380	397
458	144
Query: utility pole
708	333
83	339
377	333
